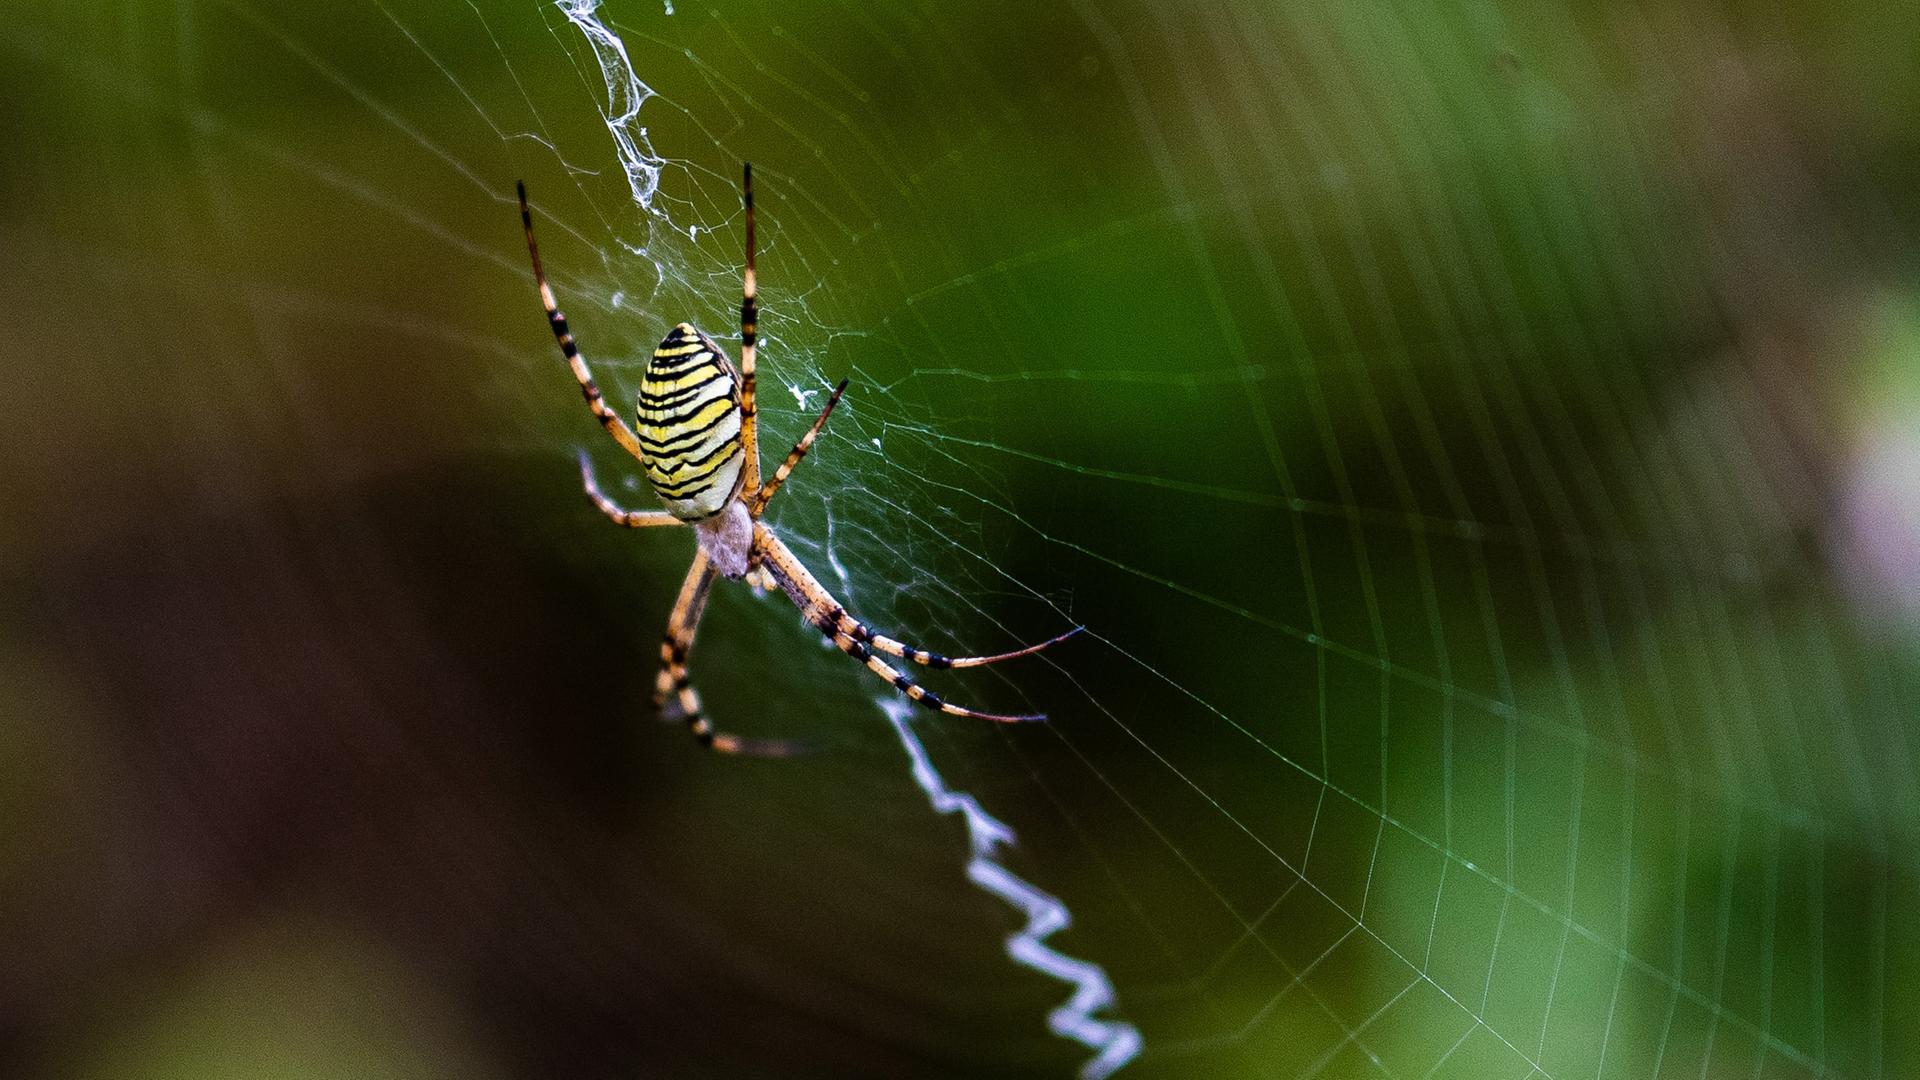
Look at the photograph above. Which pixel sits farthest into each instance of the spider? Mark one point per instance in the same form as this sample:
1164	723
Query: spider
698	445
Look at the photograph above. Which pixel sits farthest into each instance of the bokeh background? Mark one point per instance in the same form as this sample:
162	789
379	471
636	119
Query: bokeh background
1482	440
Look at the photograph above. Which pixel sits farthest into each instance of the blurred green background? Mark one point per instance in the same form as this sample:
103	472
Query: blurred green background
1483	441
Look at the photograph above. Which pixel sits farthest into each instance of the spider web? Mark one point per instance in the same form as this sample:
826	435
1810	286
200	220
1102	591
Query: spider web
1420	410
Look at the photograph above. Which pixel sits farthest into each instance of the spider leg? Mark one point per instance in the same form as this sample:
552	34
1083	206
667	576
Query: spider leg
854	628
758	504
673	692
749	342
820	609
588	389
861	632
632	519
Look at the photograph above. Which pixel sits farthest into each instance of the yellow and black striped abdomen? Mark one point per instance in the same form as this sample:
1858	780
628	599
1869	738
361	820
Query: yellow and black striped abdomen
690	425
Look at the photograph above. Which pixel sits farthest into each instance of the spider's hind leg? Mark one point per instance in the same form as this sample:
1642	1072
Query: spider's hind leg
557	322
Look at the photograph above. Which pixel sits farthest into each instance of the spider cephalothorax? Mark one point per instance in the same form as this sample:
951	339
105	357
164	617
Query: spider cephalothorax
697	442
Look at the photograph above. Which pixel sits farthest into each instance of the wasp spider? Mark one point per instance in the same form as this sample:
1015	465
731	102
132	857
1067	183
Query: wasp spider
697	442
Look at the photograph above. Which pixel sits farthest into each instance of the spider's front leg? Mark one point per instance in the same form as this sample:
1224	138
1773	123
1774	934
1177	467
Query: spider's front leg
855	639
673	692
761	580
